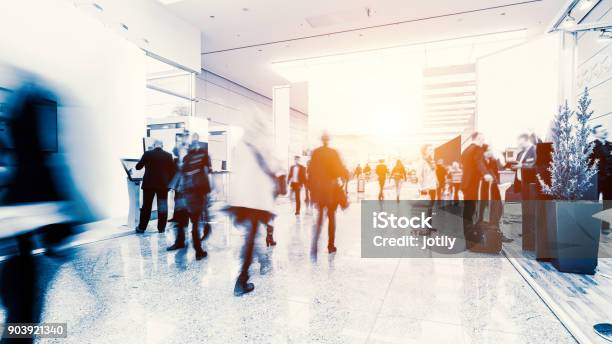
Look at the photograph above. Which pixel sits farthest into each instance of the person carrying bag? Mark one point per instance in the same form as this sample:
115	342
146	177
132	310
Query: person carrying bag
485	236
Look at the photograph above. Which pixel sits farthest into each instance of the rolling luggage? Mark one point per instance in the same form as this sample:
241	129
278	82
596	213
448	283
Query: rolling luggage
360	185
484	236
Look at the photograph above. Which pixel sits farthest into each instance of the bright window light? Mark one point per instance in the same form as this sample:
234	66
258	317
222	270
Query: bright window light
569	22
168	2
586	4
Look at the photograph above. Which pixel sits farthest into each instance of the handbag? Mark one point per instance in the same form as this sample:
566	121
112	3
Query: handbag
340	197
281	185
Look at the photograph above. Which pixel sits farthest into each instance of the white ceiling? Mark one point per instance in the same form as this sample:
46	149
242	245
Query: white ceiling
242	38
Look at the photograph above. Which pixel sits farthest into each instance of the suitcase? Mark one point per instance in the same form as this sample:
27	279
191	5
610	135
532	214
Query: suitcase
360	185
484	237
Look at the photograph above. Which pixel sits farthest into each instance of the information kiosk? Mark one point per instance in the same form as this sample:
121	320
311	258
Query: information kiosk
134	178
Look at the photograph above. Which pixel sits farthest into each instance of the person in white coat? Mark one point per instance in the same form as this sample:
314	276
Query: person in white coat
426	173
427	179
253	189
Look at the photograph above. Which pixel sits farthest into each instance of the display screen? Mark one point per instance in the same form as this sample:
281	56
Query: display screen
129	165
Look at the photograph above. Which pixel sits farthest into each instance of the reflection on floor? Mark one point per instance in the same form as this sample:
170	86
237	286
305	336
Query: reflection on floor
130	290
581	301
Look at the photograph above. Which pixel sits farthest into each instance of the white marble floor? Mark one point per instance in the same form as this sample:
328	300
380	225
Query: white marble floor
130	290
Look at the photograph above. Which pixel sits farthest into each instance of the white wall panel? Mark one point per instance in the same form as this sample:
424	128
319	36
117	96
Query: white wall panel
518	90
151	27
101	80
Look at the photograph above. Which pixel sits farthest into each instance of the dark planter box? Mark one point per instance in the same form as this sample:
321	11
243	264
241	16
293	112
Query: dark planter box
545	238
574	235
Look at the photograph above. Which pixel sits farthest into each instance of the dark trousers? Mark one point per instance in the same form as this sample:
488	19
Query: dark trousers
432	201
381	185
252	218
183	216
147	204
440	191
494	203
297	191
455	190
469	208
24	278
607	202
528	217
307	195
331	227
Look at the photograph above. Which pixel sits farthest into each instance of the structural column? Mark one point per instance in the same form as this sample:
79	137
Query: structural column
281	104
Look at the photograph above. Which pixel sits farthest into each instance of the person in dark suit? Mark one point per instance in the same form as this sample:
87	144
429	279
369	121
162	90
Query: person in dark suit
474	171
297	179
159	170
525	159
192	191
602	151
324	170
525	175
441	174
489	192
381	171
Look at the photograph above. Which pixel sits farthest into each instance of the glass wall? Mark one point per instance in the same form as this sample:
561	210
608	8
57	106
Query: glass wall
170	90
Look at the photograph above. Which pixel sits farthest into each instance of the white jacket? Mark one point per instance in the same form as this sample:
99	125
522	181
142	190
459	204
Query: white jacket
426	176
249	185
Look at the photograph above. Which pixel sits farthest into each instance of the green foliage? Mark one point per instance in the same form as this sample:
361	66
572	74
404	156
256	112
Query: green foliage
571	172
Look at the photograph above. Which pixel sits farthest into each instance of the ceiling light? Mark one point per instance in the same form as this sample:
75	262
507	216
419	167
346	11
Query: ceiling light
211	17
586	4
605	36
168	2
569	22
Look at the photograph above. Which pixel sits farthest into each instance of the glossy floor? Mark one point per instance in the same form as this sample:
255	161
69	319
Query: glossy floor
130	290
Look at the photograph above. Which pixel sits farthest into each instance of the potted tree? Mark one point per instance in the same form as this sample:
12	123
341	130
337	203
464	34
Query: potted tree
573	232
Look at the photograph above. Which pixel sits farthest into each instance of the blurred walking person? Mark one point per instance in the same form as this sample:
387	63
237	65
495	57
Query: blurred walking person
307	199
455	174
43	189
325	169
367	171
602	151
297	179
441	174
381	171
256	182
427	180
159	170
192	197
491	194
358	171
474	171
399	175
180	150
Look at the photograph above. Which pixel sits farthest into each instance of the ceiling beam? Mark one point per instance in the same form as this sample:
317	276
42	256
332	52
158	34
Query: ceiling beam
364	28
